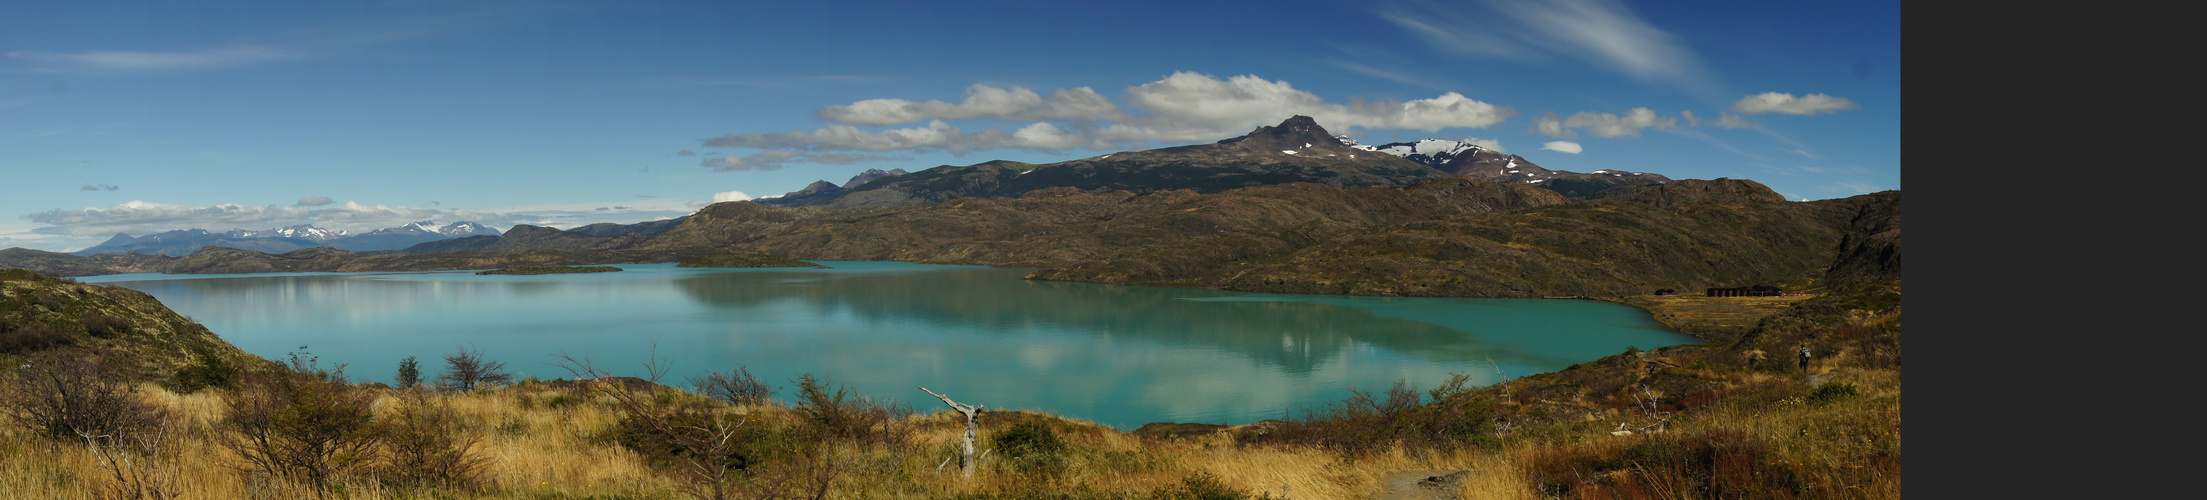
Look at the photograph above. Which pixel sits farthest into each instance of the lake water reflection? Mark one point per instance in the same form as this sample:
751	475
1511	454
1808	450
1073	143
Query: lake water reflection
1117	355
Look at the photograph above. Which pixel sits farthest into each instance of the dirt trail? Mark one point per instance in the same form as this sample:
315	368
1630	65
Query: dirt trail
1430	484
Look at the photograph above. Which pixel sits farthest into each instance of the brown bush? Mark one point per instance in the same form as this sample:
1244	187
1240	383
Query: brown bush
300	423
1717	463
66	394
706	447
1446	418
427	444
737	387
31	336
104	326
842	415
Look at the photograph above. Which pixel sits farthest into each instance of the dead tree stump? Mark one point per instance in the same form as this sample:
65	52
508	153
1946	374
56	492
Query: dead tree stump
972	413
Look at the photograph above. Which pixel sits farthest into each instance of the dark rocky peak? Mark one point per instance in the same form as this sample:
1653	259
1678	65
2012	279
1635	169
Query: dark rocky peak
177	235
816	187
1692	191
526	230
1297	133
869	175
1005	164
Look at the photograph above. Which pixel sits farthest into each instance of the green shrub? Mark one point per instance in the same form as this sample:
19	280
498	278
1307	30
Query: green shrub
1031	446
1201	486
104	326
409	373
210	371
29	336
1832	391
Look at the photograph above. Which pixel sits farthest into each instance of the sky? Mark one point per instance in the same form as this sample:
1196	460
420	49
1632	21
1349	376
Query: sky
142	117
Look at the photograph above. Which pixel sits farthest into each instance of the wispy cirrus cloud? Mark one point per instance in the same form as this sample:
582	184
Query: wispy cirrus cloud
1603	33
130	60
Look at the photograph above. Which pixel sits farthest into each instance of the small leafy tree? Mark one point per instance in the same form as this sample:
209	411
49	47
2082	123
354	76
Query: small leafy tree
468	370
409	373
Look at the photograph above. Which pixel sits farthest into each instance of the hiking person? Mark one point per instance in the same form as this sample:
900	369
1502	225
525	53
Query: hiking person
1804	359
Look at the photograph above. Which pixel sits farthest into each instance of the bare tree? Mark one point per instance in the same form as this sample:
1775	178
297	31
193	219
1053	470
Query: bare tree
972	413
133	459
737	387
467	370
64	393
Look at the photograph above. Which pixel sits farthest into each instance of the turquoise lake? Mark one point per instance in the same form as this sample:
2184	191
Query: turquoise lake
1117	355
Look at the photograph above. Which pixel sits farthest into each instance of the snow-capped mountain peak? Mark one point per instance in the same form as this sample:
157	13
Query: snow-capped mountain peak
456	229
1427	151
465	228
1439	149
1351	143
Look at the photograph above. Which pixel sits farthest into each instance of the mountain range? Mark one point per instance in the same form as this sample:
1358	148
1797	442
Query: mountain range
1296	150
1287	208
285	239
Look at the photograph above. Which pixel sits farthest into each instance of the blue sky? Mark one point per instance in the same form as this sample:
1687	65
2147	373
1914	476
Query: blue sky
140	117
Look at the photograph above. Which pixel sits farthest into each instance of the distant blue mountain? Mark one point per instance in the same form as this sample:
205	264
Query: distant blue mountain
185	241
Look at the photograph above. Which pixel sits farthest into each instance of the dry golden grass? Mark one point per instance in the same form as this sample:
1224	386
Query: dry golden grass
548	442
1722	316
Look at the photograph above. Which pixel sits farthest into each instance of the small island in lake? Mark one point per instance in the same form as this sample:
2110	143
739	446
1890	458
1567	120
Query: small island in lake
744	259
551	270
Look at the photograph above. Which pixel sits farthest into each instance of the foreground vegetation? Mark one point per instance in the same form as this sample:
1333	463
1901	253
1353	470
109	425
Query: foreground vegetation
1731	419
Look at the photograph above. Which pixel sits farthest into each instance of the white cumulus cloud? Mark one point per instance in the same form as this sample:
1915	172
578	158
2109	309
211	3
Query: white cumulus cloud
1181	107
1563	146
982	101
1602	124
1774	102
730	196
140	217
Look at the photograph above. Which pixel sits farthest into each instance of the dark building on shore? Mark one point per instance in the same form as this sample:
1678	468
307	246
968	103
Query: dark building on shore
1750	291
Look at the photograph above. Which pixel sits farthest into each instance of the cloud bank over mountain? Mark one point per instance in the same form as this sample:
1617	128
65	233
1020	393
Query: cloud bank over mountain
1182	107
